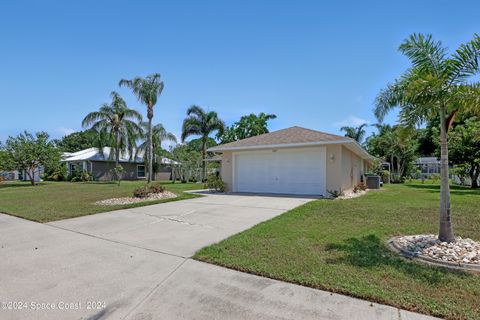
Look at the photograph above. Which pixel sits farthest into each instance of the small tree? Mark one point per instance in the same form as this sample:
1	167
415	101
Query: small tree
27	152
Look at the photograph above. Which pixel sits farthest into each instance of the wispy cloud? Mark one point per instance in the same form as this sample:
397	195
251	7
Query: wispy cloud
64	131
350	121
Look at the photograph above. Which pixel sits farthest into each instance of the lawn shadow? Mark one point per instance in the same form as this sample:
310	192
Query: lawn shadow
20	184
370	251
457	190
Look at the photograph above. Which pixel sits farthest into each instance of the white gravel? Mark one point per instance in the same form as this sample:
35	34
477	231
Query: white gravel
464	251
351	195
128	200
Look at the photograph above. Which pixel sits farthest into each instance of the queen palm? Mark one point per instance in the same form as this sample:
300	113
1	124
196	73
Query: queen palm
201	123
436	85
356	133
147	91
159	134
116	124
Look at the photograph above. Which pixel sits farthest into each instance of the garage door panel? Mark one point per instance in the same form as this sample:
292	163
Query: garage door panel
293	172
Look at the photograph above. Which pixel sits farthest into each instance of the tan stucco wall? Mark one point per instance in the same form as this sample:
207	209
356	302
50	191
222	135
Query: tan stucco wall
351	169
334	167
227	169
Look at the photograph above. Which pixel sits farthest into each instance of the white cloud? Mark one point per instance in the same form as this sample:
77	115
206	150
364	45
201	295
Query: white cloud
350	121
64	131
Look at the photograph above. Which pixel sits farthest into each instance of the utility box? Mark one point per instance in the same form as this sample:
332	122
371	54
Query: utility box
373	182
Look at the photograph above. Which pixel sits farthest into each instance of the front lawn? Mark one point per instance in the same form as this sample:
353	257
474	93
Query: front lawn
51	201
340	246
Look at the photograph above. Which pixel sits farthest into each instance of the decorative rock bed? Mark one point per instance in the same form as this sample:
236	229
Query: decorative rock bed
128	200
351	194
461	254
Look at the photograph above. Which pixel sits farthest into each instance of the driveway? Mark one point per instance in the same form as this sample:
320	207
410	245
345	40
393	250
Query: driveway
134	264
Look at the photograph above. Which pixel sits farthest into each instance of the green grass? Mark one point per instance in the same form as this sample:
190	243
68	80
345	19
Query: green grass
340	246
49	201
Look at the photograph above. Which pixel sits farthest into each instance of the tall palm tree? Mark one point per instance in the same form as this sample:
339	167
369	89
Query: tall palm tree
147	90
356	133
116	124
201	123
435	85
159	134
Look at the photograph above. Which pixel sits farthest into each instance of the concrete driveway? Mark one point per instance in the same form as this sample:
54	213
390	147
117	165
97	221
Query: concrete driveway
134	264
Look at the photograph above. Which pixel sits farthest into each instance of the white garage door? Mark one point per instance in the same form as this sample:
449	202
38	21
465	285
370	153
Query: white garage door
300	171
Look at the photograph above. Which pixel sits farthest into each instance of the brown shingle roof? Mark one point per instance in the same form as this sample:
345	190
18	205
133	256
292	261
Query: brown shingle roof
293	135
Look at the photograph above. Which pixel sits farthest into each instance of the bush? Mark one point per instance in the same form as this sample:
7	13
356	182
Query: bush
156	188
360	187
435	177
336	193
141	192
215	183
145	191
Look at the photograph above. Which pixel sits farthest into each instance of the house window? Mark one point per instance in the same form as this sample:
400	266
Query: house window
140	171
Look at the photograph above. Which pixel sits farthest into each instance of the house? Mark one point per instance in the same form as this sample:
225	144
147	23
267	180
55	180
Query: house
293	161
100	163
22	175
427	166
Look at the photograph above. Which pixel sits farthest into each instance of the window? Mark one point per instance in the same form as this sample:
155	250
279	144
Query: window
140	171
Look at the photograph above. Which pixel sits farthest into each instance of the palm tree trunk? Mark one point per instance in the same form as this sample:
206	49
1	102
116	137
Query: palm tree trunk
204	152
117	154
474	173
149	149
446	230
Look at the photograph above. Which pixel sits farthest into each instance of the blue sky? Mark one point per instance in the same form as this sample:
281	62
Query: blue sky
314	64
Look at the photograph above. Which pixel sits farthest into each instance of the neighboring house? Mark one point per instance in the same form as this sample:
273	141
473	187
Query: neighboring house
22	175
100	164
293	161
427	166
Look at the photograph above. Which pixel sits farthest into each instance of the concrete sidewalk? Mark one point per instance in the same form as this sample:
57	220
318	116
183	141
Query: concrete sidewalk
134	264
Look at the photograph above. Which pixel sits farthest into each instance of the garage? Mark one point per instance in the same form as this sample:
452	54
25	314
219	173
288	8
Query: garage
283	171
295	161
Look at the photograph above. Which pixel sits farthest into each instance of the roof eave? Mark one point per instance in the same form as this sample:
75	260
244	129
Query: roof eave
359	150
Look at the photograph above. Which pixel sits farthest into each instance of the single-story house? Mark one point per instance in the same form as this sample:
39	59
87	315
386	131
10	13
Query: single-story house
293	161
100	163
22	175
427	166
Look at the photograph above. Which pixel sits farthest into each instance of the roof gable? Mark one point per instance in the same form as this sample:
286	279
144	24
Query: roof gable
288	136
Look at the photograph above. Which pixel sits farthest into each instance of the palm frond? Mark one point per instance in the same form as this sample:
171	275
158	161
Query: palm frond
425	53
464	62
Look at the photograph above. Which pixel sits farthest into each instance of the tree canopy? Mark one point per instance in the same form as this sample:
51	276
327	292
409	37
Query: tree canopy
248	126
29	152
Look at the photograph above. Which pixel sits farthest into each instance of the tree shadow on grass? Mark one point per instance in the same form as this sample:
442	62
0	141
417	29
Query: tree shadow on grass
457	190
370	251
20	184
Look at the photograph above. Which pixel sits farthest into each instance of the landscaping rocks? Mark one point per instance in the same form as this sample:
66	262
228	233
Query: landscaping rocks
351	194
462	251
128	200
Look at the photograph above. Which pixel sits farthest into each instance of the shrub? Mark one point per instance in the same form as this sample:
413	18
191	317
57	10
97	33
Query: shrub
435	177
141	192
214	182
145	191
360	187
86	176
336	193
156	188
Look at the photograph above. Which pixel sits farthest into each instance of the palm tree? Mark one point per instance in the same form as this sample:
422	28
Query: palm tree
435	85
147	91
201	123
356	133
116	124
159	134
